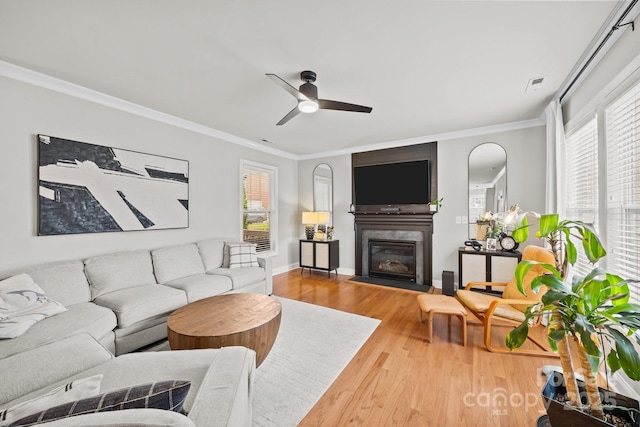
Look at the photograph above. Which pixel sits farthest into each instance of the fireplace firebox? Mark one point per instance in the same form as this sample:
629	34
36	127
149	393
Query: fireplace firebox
393	259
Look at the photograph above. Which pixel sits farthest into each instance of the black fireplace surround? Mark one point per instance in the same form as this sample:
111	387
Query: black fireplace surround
406	229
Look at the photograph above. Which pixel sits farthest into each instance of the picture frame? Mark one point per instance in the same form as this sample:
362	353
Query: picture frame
89	188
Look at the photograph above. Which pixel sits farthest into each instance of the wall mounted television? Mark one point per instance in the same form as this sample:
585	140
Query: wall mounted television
403	183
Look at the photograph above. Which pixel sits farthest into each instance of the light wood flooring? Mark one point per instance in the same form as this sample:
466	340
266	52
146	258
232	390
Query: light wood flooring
399	379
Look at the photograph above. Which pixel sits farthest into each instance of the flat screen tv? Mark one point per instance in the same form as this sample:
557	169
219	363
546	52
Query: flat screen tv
404	183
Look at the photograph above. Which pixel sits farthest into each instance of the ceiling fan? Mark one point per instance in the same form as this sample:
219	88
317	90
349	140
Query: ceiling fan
307	97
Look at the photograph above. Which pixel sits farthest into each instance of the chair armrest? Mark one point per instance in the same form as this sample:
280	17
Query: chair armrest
485	284
507	301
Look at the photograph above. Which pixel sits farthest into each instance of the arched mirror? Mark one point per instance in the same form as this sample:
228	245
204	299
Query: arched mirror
323	190
487	183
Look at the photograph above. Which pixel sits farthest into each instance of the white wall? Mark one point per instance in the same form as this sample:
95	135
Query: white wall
342	219
214	189
525	149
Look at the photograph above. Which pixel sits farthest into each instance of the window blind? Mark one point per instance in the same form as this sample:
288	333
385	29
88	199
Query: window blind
581	183
622	120
257	193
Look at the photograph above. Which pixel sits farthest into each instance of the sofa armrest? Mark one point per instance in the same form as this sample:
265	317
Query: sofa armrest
42	366
268	273
128	417
226	393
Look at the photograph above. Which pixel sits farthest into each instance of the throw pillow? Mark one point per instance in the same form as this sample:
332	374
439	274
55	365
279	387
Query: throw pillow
242	255
75	390
168	395
22	305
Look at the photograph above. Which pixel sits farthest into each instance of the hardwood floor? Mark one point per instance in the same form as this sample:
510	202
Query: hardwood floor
399	379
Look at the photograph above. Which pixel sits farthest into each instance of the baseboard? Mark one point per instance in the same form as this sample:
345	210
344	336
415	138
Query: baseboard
347	271
280	270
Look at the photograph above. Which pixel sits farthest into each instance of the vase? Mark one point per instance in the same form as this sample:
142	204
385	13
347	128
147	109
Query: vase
561	415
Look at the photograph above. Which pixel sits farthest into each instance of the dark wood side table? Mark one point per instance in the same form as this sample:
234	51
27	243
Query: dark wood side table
486	266
320	255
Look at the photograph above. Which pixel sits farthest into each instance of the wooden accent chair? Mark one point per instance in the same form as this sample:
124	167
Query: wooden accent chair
508	309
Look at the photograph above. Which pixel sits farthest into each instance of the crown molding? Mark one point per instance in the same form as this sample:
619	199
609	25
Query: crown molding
35	78
505	127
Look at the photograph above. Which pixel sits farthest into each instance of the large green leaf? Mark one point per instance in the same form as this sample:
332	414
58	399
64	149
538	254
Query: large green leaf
521	231
586	331
629	359
572	253
548	224
591	243
522	269
619	287
550	281
552	296
556	334
613	361
517	336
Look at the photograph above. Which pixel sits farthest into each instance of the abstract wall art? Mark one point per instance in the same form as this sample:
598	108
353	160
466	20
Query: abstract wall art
87	188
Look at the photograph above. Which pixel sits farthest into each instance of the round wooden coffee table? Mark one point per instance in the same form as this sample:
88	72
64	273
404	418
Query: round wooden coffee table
247	320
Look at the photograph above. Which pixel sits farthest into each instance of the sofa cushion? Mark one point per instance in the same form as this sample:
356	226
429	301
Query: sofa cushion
72	391
63	281
87	317
22	304
50	365
202	285
175	262
212	253
221	380
138	303
242	255
241	277
122	270
167	395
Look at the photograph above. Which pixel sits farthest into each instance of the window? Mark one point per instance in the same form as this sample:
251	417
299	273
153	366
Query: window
581	182
623	186
259	182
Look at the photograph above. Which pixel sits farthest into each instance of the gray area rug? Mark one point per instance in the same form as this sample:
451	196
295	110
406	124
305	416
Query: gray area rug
313	346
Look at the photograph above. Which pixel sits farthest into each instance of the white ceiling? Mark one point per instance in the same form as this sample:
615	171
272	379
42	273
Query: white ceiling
426	67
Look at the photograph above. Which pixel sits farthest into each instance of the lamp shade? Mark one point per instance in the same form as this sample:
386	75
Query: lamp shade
323	217
309	218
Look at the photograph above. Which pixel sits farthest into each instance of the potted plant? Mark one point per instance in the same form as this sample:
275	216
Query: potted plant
435	204
593	312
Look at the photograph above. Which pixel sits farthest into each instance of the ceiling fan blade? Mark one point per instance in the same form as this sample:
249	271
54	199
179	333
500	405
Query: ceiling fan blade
286	86
289	116
326	104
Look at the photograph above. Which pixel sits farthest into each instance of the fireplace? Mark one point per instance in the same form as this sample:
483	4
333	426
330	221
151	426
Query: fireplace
404	260
412	231
393	259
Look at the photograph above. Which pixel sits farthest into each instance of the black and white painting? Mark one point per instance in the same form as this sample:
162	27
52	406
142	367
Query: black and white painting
87	188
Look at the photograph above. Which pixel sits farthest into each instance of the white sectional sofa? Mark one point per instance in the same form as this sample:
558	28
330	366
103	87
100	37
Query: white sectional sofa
120	302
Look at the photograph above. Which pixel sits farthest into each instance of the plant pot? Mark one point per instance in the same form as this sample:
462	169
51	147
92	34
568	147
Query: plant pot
561	415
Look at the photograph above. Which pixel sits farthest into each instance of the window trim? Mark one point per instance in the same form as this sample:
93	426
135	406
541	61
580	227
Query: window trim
273	202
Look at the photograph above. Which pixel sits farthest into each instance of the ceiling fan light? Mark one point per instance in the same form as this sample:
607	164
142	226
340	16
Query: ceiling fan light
308	106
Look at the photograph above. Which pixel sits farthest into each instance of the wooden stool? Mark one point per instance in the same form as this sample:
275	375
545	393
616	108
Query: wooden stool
442	304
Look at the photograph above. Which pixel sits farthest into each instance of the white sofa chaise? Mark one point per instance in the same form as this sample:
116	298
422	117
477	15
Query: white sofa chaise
219	394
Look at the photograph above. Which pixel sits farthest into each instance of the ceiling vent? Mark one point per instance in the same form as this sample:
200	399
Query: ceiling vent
534	84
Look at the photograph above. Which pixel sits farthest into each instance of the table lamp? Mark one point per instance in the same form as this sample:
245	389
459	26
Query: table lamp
309	219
